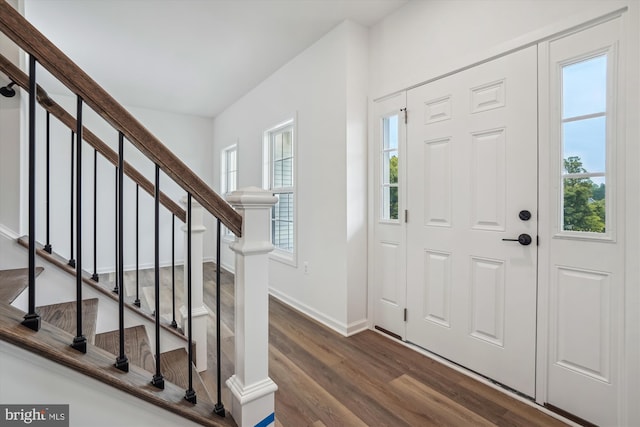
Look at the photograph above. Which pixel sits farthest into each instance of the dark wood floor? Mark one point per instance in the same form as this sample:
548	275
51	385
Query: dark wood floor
325	379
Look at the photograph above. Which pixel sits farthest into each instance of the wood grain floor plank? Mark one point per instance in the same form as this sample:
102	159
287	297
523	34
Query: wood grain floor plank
321	350
430	407
432	373
345	389
315	405
518	413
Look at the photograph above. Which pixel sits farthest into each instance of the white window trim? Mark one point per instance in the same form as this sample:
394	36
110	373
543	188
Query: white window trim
611	115
289	258
227	235
381	152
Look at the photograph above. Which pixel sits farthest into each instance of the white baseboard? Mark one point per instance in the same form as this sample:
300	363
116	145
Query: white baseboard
358	326
340	327
8	233
229	268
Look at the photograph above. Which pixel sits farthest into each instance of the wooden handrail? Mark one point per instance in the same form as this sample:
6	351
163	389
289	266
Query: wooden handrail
22	80
27	37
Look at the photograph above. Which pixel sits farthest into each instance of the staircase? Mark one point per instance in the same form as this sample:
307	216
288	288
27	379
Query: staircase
58	329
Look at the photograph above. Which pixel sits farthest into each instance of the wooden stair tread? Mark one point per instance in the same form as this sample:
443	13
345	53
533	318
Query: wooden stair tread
62	263
53	343
63	316
174	365
13	282
137	347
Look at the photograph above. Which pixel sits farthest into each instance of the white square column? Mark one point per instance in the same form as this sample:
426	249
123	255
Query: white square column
199	312
252	389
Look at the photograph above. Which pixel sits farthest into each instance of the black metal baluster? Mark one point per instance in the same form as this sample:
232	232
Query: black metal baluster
122	362
158	379
173	271
116	288
47	246
95	277
72	261
79	341
32	318
190	394
219	407
137	301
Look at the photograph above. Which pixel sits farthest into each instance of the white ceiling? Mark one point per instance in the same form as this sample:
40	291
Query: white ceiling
189	56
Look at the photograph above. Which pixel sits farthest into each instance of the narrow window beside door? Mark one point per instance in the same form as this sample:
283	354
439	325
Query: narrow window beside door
389	169
584	145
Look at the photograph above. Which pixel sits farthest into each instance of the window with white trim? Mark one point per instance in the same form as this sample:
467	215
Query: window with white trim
389	169
279	177
228	177
584	133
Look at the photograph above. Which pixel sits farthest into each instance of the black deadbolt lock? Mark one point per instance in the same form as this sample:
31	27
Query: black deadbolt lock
524	215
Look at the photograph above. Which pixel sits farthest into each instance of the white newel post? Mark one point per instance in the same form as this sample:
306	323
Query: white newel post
199	312
252	389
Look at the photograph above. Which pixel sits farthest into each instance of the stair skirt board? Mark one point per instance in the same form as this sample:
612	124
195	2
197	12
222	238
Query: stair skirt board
53	343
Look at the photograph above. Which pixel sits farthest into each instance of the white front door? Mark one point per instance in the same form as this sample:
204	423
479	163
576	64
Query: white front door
472	178
582	239
389	263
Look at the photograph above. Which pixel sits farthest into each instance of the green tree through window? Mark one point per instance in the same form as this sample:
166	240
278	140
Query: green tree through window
393	177
584	201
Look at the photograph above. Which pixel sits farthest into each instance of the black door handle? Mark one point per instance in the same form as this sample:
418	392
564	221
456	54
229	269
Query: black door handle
523	239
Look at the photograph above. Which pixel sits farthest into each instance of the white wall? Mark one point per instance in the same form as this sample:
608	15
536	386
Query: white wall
316	87
426	39
10	114
356	175
189	137
10	161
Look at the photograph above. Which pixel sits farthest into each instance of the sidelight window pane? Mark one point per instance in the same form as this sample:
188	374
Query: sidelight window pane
584	87
584	145
586	139
389	169
584	204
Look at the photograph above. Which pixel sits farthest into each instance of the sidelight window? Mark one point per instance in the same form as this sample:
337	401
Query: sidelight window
584	117
389	169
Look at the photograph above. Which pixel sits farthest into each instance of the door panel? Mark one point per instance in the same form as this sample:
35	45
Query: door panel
471	168
389	260
583	265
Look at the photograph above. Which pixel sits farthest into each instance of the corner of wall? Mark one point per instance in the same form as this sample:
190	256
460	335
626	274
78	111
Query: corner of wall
357	63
